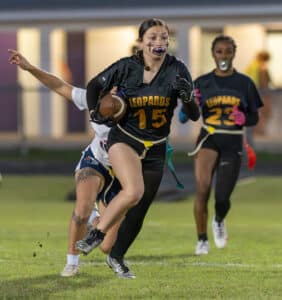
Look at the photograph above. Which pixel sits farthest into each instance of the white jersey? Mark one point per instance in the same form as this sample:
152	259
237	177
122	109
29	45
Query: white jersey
98	144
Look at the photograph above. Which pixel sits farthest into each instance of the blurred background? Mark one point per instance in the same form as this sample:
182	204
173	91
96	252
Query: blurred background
77	39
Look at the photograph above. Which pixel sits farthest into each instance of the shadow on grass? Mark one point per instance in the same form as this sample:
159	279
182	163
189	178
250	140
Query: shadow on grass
43	287
145	258
159	258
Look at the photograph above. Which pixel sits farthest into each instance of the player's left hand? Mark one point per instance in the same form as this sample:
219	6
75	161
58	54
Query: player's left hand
239	116
184	88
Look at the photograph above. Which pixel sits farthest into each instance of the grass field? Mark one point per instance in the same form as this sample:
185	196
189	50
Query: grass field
34	219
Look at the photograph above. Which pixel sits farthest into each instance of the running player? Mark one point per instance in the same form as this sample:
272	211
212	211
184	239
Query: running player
93	175
151	81
229	101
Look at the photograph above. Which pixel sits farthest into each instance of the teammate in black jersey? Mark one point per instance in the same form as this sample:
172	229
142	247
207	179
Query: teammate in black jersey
229	101
151	82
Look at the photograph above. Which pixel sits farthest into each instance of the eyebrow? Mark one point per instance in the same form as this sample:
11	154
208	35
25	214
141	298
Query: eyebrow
162	33
219	48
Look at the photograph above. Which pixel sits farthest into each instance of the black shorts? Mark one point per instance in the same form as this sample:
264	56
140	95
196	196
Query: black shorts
155	157
224	144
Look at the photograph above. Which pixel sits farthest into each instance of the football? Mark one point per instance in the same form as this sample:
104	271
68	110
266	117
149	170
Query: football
112	106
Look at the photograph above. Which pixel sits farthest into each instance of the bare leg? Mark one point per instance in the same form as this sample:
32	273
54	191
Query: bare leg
111	235
88	184
205	162
128	169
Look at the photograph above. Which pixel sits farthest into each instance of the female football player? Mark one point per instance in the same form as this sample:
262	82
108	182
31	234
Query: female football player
151	82
229	101
92	175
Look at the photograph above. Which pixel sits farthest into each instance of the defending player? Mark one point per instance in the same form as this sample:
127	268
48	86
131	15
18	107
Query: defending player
93	175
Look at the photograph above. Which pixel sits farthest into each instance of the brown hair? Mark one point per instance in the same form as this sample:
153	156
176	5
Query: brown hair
147	24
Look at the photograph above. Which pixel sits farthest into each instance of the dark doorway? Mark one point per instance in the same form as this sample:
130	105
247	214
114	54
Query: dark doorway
76	64
8	85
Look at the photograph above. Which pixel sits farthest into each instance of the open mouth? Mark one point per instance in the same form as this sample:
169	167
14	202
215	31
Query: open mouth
223	65
159	50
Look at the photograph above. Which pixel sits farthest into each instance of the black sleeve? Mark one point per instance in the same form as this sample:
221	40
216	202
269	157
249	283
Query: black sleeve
253	98
251	118
104	81
254	102
191	109
93	92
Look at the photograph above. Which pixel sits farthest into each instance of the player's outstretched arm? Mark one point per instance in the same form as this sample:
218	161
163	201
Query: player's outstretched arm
49	80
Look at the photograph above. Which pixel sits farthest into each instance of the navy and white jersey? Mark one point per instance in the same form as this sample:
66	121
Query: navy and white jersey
150	106
220	94
111	186
98	144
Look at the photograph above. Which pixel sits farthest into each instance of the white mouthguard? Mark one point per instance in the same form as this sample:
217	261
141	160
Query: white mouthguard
223	65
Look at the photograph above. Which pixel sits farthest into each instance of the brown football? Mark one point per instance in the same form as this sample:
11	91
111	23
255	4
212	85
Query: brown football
112	106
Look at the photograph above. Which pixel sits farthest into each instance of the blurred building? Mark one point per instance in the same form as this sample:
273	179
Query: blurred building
77	39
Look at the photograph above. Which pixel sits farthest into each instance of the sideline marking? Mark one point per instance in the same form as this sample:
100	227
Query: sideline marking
247	180
193	264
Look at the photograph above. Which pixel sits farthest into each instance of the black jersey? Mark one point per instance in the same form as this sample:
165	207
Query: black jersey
220	94
150	106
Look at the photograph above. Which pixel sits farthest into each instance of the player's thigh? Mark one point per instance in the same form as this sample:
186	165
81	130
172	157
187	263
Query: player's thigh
88	184
127	166
205	162
228	170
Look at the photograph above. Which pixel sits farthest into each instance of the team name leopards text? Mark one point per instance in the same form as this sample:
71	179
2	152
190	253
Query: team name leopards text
223	100
149	101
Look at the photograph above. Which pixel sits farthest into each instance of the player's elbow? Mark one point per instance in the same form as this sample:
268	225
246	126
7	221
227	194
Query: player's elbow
252	119
191	110
195	116
92	93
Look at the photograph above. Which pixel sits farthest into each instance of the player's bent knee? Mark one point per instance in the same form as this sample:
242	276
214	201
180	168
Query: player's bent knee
79	219
134	195
83	209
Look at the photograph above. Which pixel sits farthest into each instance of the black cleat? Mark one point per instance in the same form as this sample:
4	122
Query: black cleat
92	240
119	267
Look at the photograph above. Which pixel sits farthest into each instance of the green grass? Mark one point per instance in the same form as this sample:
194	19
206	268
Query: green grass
35	154
71	155
33	231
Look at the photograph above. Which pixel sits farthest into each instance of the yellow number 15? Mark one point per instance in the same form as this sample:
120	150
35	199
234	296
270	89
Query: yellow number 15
158	118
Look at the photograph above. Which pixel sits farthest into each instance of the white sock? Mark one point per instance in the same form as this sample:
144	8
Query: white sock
94	215
72	259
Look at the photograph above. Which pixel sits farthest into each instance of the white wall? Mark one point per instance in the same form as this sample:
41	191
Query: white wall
58	103
274	46
28	41
249	39
106	45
